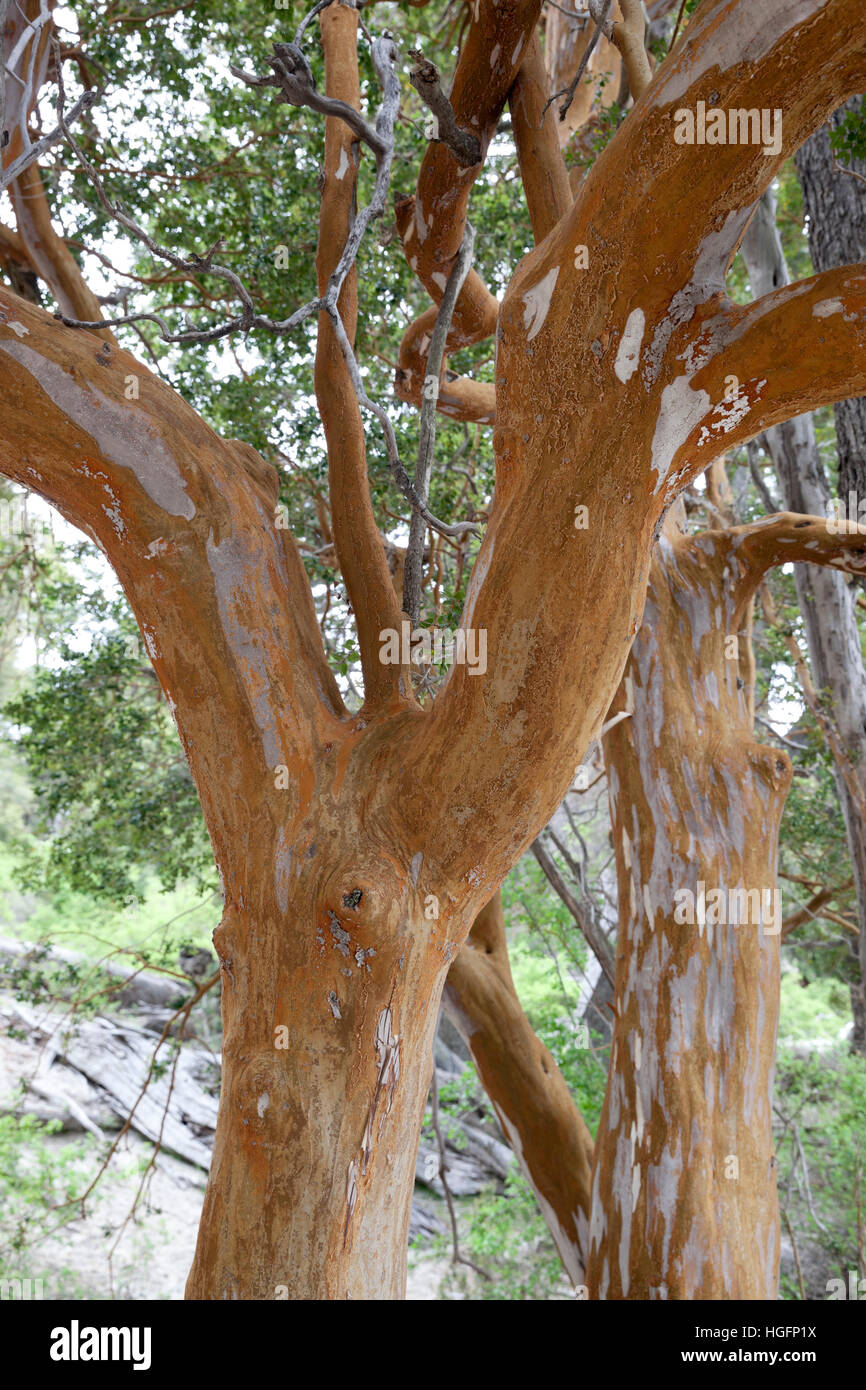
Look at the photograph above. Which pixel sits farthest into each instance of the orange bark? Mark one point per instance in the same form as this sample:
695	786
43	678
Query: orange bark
528	1091
306	803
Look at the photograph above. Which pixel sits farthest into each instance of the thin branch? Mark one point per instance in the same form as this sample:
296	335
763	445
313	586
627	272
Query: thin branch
677	25
456	1256
752	449
594	939
853	172
427	431
569	91
35	152
790	1229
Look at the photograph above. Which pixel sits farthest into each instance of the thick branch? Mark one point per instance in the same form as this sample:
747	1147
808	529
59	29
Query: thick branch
542	167
794	350
629	37
432	223
787	537
188	522
527	1089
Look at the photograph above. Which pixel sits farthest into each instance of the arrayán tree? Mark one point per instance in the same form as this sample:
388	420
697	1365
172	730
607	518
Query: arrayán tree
356	848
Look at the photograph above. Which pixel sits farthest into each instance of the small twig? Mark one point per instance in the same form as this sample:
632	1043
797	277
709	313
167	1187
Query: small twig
456	1256
853	172
569	14
427	429
807	1190
424	76
677	25
763	491
569	91
790	1230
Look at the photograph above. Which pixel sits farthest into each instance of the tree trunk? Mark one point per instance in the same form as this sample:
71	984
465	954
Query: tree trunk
693	800
610	396
684	1201
329	1013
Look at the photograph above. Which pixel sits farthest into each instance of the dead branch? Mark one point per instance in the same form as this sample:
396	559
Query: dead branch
592	935
424	76
599	12
35	152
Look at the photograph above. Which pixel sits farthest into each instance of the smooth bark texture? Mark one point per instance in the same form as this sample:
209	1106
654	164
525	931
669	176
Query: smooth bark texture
610	393
528	1091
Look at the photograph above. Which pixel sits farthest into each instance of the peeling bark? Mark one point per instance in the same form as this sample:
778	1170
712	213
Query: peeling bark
610	393
684	1184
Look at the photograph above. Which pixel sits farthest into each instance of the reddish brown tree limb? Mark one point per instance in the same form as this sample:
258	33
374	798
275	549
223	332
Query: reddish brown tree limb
794	350
786	537
356	536
528	1092
431	223
187	521
542	167
812	909
46	251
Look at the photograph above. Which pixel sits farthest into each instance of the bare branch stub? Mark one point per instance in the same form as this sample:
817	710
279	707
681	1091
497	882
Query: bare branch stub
424	76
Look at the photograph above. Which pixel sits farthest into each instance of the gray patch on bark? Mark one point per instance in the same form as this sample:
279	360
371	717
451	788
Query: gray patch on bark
340	935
